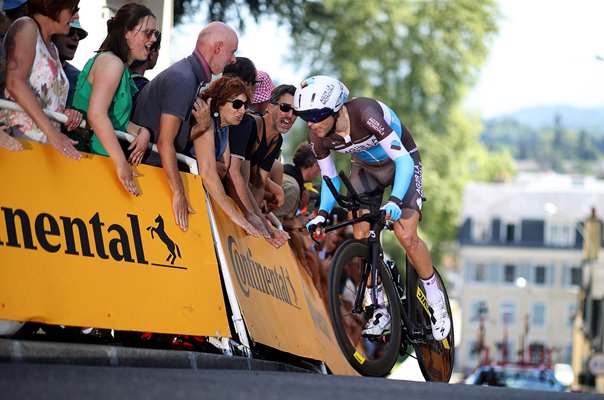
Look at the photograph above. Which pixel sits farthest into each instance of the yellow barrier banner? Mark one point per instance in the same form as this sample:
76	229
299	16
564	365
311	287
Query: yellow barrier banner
77	249
280	305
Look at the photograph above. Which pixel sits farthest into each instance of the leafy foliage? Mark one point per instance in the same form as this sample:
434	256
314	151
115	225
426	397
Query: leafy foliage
239	10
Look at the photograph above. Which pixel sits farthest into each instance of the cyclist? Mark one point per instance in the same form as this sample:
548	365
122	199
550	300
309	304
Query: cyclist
383	154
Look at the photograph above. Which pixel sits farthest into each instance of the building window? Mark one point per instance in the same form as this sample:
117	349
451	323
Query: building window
509	273
576	276
540	275
573	276
479	272
538	314
479	310
507	313
481	231
560	235
543	275
510	232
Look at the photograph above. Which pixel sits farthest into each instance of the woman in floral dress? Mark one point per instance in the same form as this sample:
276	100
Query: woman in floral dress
34	76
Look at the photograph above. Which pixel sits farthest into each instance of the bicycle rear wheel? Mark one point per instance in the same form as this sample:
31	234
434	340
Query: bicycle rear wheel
375	356
435	358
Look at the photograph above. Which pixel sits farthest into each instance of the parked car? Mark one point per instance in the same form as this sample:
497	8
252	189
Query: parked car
516	376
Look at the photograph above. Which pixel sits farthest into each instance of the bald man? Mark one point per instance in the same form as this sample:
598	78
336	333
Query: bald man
164	105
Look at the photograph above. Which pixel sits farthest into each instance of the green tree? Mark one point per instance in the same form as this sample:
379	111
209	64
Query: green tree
237	10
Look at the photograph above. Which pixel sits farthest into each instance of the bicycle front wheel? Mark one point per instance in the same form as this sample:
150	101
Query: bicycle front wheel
376	355
435	358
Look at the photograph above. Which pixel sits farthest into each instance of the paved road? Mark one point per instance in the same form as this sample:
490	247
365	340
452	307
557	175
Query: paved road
52	381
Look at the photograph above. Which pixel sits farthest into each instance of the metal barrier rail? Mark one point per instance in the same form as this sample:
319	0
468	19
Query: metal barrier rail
62	118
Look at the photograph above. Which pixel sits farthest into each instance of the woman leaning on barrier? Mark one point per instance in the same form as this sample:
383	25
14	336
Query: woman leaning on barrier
227	98
105	87
34	76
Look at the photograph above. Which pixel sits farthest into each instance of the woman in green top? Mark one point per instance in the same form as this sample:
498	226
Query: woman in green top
104	89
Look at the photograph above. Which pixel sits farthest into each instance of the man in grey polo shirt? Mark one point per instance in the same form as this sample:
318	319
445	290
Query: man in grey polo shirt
164	105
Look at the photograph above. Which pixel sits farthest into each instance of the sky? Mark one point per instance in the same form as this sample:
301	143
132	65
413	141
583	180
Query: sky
545	54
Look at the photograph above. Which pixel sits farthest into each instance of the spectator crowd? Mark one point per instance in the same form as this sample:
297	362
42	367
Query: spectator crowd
211	105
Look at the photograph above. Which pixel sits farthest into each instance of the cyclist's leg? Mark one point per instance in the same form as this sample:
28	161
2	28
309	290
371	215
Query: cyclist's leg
405	230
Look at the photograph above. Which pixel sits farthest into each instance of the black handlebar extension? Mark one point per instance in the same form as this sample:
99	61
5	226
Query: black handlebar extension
348	185
353	201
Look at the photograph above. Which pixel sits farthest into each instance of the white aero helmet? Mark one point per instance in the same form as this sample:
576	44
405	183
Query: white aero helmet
318	97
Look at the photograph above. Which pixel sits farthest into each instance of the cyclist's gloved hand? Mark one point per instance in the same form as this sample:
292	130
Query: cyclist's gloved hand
393	210
315	223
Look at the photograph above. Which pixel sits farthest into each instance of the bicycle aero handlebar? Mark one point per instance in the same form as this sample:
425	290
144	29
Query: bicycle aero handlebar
351	202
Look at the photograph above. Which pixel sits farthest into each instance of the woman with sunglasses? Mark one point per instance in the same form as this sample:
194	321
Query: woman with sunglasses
227	98
105	88
35	78
383	154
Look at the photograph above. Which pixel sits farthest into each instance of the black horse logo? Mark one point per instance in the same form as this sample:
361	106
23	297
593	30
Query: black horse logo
161	233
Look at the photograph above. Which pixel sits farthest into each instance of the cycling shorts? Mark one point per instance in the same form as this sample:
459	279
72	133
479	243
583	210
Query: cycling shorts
372	178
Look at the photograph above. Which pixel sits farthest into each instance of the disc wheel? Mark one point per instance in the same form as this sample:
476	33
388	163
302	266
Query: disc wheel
435	358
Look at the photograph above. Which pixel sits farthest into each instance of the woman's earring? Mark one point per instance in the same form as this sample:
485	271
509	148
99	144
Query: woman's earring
216	114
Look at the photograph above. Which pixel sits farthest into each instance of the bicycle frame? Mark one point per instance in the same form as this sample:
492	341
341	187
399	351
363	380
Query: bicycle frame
377	220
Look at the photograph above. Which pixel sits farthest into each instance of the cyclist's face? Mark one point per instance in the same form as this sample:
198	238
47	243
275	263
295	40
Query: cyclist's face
322	128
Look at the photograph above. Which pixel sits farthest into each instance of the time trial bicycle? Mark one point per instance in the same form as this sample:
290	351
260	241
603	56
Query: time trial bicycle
359	262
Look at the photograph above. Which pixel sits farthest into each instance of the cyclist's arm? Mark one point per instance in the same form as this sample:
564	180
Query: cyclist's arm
403	162
328	201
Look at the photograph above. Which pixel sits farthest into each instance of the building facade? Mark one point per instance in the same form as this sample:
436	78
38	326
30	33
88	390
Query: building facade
521	263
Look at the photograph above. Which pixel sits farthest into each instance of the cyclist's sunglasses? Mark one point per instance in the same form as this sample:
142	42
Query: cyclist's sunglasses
237	103
314	115
284	107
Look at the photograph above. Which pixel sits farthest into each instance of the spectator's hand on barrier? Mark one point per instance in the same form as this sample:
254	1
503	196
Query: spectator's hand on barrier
126	176
74	119
8	142
257	223
139	146
315	227
278	239
248	228
64	145
181	209
201	113
392	210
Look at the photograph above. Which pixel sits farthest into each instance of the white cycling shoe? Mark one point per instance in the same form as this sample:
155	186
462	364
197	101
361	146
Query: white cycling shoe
439	319
378	324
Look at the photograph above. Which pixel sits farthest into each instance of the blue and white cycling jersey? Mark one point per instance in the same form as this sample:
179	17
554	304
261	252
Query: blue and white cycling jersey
375	134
